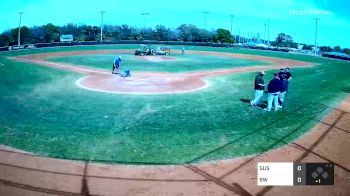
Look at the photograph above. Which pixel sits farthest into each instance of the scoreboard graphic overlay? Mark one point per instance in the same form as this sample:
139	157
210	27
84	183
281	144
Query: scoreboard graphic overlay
290	174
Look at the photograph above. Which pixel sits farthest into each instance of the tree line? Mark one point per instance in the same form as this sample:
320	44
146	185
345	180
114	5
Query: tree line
186	32
284	40
51	33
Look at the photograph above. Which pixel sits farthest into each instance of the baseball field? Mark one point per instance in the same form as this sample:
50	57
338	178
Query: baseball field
174	109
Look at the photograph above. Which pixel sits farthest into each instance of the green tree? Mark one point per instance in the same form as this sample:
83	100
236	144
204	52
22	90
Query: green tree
162	33
273	43
25	32
71	29
325	49
5	39
281	37
205	35
52	33
346	51
288	39
293	45
307	47
223	36
147	34
90	33
188	32
337	49
284	40
126	32
184	32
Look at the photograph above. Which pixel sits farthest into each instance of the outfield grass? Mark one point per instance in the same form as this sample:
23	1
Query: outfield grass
46	113
182	63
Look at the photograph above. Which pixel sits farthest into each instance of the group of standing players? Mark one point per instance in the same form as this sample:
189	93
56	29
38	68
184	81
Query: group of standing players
277	89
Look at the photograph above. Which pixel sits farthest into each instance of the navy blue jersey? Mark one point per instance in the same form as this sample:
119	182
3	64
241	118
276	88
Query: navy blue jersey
284	85
275	85
282	75
288	75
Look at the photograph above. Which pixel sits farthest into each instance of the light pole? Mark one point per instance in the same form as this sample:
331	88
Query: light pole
19	28
244	37
316	21
205	18
268	32
144	19
239	36
102	13
265	33
232	17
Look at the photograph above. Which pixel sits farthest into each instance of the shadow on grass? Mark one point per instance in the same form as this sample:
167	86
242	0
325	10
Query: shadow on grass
263	104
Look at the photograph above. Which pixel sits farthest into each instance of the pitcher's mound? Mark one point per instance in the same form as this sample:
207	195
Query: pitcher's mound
156	58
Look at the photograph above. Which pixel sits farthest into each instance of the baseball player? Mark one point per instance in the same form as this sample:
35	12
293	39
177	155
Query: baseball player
259	86
285	76
116	64
273	89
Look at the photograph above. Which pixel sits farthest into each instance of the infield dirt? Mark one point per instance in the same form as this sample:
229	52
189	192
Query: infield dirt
154	82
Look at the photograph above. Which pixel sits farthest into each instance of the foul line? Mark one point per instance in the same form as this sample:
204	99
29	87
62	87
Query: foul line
91	71
60	65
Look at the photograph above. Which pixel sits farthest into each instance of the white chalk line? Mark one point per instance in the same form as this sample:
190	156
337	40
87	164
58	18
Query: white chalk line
66	66
78	83
87	70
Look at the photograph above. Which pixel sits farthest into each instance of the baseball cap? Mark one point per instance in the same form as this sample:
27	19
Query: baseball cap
262	73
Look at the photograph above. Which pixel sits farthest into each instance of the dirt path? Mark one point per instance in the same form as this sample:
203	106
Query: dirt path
153	82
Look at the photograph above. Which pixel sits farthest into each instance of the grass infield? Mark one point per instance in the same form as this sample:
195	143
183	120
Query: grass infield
180	63
44	112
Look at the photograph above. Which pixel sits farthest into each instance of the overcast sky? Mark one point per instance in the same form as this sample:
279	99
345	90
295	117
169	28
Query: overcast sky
294	17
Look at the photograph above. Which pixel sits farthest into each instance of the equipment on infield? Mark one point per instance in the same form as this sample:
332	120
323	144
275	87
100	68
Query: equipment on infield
126	73
162	51
144	50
